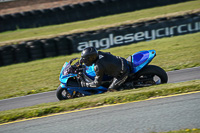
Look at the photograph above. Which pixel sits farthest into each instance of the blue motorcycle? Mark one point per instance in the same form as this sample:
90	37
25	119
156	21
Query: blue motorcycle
141	74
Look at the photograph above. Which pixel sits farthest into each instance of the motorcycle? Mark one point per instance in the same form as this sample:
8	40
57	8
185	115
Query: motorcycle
141	75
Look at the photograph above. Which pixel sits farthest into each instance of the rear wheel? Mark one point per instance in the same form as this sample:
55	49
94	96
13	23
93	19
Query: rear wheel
62	93
150	75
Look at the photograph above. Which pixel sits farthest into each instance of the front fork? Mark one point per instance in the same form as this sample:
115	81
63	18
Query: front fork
73	93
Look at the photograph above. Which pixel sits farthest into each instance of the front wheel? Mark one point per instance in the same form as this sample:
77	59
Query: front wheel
150	75
62	93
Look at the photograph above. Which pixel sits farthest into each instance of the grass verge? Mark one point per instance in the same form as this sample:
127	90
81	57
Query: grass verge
98	23
194	130
99	100
43	75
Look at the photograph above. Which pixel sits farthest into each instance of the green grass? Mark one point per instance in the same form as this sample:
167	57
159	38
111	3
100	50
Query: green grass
97	23
194	130
43	75
99	100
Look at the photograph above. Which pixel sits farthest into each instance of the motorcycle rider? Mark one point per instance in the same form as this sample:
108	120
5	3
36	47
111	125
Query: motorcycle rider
105	64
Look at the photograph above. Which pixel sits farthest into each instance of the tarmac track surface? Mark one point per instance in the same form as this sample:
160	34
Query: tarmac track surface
159	114
30	100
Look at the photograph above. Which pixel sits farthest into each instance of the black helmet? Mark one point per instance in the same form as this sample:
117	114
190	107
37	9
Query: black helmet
89	56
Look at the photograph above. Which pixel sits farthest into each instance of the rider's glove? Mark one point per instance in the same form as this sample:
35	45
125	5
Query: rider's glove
83	84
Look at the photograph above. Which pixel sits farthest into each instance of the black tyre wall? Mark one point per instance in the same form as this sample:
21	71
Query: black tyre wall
27	21
47	17
64	45
36	49
87	10
77	8
21	53
81	11
68	13
101	39
56	16
50	49
7	23
1	60
136	32
18	19
7	55
97	8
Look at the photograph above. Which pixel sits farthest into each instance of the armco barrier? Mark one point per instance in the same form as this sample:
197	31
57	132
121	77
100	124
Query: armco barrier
70	13
101	39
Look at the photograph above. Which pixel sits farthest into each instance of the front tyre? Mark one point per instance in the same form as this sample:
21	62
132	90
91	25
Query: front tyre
62	93
151	75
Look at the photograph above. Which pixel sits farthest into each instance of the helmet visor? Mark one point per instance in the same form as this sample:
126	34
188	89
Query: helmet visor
87	61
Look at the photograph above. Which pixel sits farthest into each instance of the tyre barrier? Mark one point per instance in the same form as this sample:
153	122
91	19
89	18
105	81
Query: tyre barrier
35	49
7	55
76	12
137	32
7	23
64	45
21	53
49	46
101	39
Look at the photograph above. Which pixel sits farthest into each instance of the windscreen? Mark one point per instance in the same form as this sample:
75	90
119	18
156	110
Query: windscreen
68	68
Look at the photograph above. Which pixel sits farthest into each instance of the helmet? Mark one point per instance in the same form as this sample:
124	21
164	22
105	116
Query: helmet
89	56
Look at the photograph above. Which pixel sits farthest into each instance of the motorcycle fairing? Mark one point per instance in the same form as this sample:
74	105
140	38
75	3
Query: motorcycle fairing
87	91
64	78
84	90
141	59
90	72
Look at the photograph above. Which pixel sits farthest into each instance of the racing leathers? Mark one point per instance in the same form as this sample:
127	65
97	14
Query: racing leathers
108	64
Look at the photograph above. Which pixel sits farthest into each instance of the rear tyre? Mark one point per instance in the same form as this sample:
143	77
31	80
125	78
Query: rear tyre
150	75
62	93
